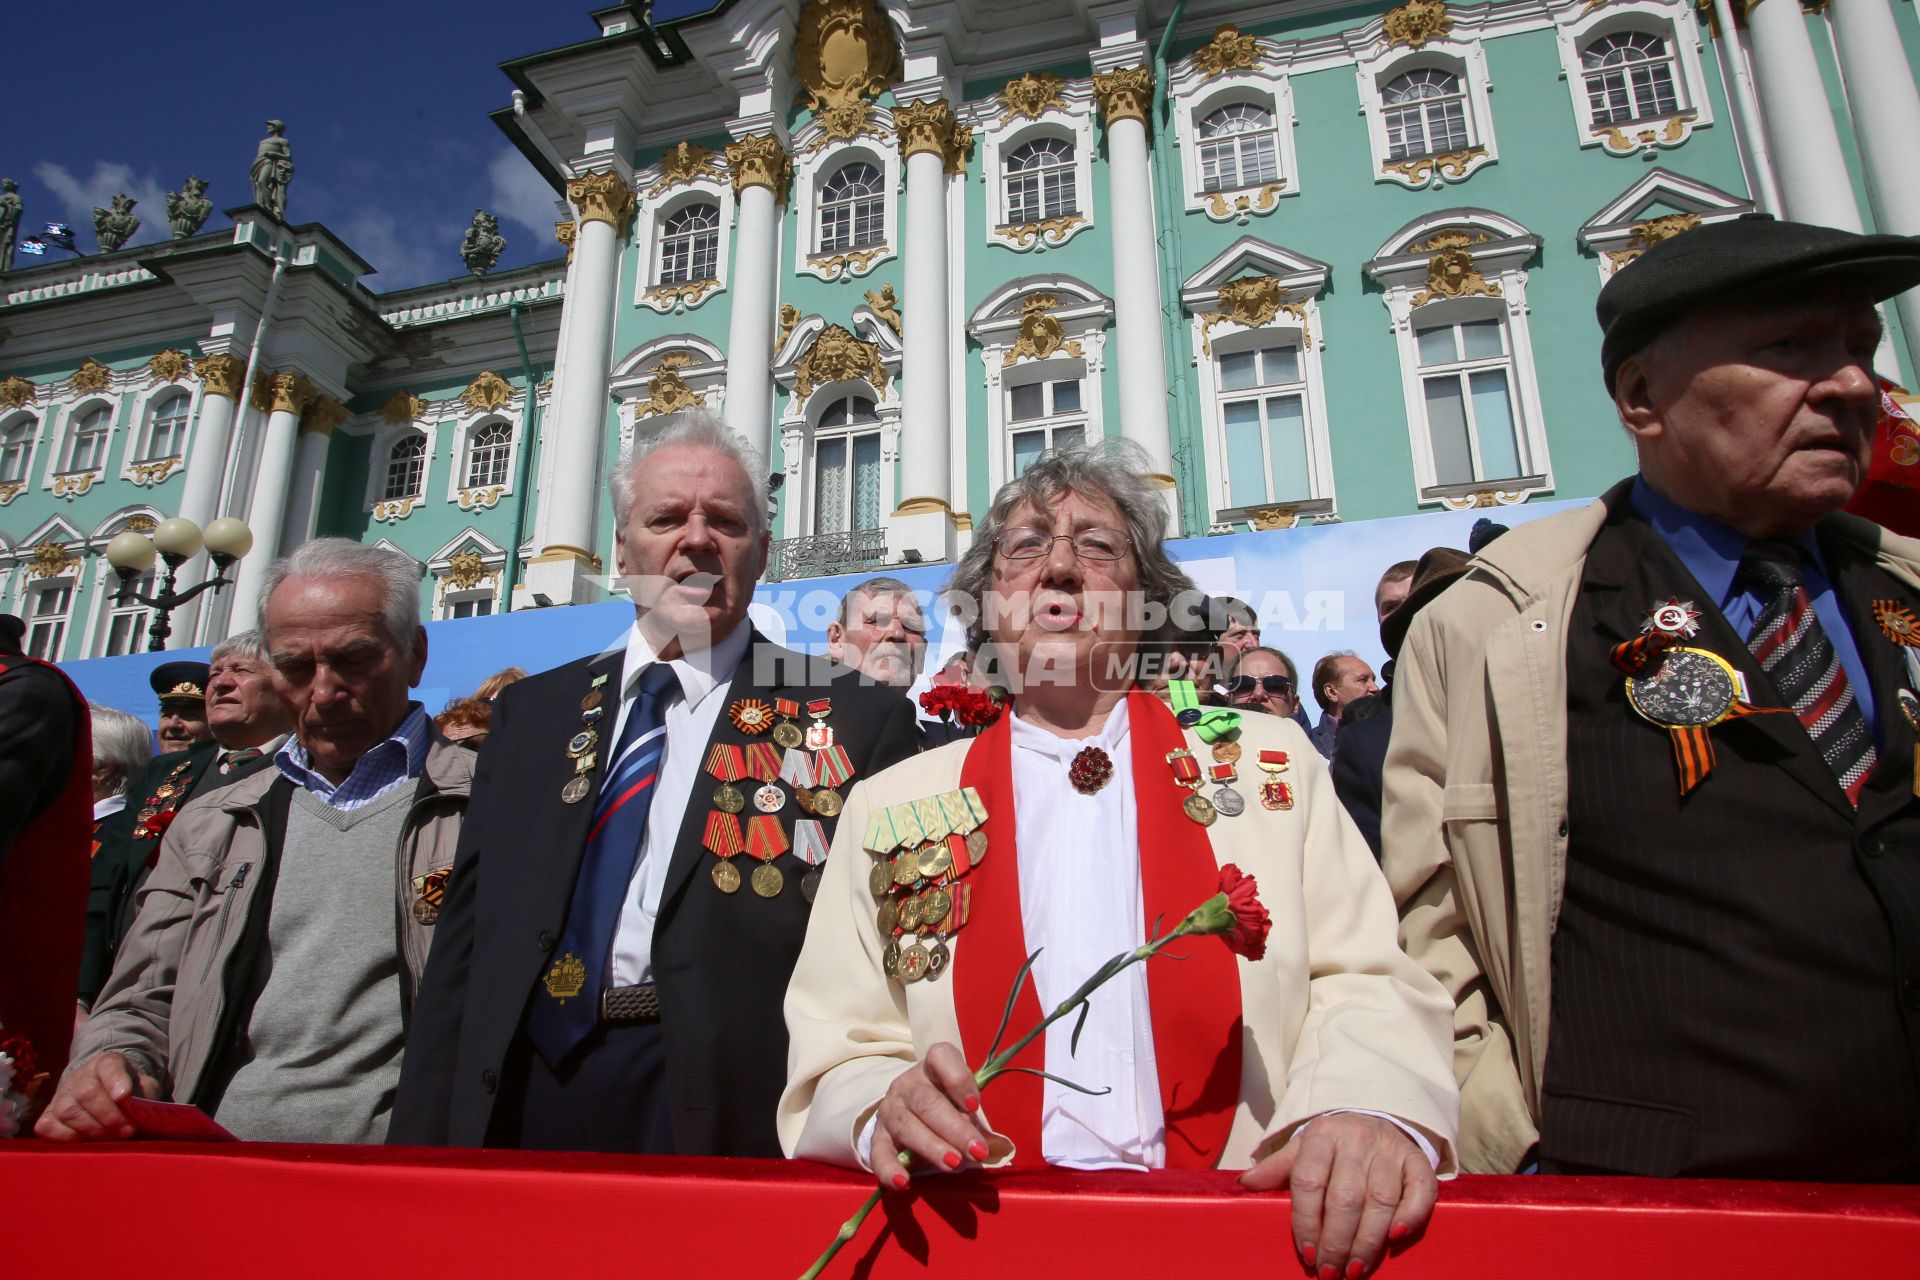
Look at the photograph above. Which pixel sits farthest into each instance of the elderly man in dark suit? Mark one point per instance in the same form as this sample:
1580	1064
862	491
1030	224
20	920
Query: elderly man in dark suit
633	884
1650	801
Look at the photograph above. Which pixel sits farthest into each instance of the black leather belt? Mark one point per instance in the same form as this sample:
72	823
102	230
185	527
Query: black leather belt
630	1004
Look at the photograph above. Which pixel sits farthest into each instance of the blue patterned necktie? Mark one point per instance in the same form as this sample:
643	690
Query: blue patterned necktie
567	1006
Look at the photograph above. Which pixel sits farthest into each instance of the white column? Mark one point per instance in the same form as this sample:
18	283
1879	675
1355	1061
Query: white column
923	518
1806	147
578	422
309	470
223	379
282	396
1125	96
1886	122
761	172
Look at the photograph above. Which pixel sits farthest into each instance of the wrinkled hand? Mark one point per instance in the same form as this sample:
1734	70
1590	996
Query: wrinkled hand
87	1107
932	1110
1357	1182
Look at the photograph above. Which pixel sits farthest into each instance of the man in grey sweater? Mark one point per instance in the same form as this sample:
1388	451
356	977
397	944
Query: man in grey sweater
270	969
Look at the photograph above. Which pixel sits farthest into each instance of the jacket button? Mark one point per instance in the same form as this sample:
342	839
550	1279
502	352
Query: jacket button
547	939
1562	829
488	1080
1873	848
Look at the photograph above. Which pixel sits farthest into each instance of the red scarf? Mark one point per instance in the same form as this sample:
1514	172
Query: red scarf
1195	1001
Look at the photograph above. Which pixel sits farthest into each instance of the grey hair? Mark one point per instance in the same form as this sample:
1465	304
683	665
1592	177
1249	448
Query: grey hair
122	741
1293	672
873	587
1113	471
247	644
694	428
397	576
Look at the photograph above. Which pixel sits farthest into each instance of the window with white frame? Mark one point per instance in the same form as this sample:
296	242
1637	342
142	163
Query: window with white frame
470	604
488	453
852	208
1239	147
846	467
47	608
406	468
1040	181
1263	424
16	450
1048	413
87	448
1425	113
690	245
166	426
1472	414
127	622
1628	77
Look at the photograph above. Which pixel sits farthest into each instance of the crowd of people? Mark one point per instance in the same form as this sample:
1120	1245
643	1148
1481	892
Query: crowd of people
1613	868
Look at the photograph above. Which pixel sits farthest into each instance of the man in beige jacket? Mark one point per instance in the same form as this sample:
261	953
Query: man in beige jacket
1650	800
271	966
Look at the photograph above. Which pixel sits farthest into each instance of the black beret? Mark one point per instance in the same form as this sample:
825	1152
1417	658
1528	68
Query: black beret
12	628
180	681
1722	259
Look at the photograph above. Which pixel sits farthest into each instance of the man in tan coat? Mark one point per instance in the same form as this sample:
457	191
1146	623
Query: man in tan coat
274	954
1650	799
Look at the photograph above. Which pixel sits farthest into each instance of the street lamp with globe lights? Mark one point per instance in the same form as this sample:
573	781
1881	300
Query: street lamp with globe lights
176	541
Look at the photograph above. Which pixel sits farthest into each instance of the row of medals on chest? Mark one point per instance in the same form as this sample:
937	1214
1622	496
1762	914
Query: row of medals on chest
923	901
1091	769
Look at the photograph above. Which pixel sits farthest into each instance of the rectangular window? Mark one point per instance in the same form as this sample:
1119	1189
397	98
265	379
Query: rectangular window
1263	420
846	483
480	607
127	623
47	621
1466	376
1043	416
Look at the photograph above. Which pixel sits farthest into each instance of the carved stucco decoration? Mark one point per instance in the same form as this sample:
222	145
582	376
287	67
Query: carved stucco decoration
1040	334
1126	94
466	570
148	474
758	160
1651	231
74	484
1229	50
51	560
17	391
1451	238
403	406
789	317
483	499
140	524
667	390
283	393
837	355
91	376
394	510
1221	205
684	162
1032	94
844	54
565	231
856	263
886	304
932	127
1655	135
170	365
1451	274
1450	164
223	375
603	197
1251	302
11	490
688	294
1416	22
1266	519
322	416
1046	231
487	391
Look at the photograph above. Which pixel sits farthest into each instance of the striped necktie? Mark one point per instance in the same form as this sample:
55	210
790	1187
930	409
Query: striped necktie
565	1010
231	760
1793	649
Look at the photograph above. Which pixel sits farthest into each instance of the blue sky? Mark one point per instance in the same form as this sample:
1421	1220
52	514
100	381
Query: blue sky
385	104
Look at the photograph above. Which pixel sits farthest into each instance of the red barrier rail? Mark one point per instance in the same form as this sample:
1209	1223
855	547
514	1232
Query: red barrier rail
162	1210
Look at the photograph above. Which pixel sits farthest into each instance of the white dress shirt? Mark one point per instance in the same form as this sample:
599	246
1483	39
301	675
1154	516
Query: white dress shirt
110	806
704	677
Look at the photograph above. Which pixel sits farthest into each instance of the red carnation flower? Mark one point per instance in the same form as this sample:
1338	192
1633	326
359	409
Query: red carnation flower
1251	922
26	1064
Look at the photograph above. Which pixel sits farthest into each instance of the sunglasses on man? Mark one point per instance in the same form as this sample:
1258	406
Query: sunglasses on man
1243	686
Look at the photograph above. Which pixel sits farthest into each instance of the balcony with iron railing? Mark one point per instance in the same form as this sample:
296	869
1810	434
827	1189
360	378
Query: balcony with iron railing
824	554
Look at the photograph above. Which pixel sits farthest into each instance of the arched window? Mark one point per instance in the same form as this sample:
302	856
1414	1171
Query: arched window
1425	113
1238	148
406	468
852	213
846	467
487	455
16	451
88	448
1629	77
1040	181
167	426
690	245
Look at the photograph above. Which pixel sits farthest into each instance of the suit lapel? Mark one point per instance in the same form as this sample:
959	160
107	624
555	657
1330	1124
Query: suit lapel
551	768
1859	583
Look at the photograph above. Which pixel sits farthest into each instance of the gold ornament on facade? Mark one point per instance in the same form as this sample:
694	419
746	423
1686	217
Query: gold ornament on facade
603	197
1416	22
11	490
17	391
684	162
886	304
1229	50
1040	334
403	406
222	375
1126	94
170	365
926	127
1252	302
687	294
1032	94
759	160
51	560
1452	274
668	392
148	474
1047	230
566	231
835	356
1449	164
1674	130
1451	238
90	376
789	317
322	416
856	263
394	510
483	499
75	484
844	123
1261	201
466	570
1267	519
1648	232
843	54
282	393
487	391
140	524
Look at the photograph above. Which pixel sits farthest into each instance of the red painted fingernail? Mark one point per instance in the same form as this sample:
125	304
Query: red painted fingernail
973	1102
1399	1231
1329	1272
900	1181
1308	1251
978	1150
952	1159
1355	1269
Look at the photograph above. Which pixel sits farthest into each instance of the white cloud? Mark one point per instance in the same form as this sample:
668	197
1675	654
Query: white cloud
403	258
79	197
518	193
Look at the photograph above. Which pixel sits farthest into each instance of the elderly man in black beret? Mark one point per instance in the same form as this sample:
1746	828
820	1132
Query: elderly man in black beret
1651	806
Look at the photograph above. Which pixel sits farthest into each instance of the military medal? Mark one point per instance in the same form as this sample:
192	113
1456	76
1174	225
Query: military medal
913	961
1226	751
582	742
880	876
1681	689
831	768
1899	625
1186	772
751	716
591	702
810	846
819	735
766	840
888	917
1274	794
937	958
430	892
723	839
1230	803
1090	770
1186	702
727	763
787	733
578	788
1675	618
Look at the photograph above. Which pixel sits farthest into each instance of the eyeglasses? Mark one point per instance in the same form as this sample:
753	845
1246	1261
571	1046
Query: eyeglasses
1242	686
1088	544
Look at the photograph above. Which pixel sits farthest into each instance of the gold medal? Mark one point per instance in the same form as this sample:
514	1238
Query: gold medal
913	962
767	880
592	701
1226	752
727	799
935	860
888	917
937	959
906	868
577	789
935	907
910	909
1200	809
880	878
827	802
726	877
890	959
788	734
804	798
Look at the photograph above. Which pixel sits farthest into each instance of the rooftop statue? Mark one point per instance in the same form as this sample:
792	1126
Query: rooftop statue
273	170
187	208
483	244
114	227
10	207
